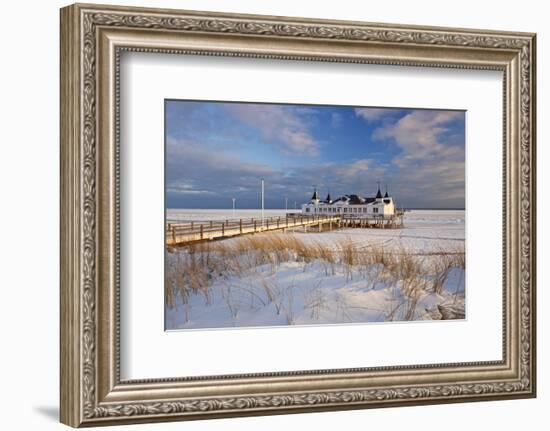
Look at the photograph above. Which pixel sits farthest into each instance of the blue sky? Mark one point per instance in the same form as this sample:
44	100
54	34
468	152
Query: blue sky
216	151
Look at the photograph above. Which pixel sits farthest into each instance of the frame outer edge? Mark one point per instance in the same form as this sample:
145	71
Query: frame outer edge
70	412
79	361
533	215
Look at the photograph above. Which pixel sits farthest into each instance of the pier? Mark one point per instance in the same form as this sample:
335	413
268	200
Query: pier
181	233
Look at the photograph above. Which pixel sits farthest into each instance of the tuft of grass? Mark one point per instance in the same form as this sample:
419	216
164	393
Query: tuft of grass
193	269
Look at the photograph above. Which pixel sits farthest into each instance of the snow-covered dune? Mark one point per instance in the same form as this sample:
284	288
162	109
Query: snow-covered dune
421	278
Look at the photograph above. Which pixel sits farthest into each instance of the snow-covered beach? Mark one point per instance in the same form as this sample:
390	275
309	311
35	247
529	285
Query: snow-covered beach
341	276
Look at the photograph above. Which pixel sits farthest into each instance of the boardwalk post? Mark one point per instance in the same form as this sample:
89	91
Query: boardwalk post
202	229
211	223
192	224
223	228
241	226
174	234
254	225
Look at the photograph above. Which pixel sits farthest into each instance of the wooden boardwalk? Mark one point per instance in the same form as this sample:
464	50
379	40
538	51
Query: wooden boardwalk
189	232
183	233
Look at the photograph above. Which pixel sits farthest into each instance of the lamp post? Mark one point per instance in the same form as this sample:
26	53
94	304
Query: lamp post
233	199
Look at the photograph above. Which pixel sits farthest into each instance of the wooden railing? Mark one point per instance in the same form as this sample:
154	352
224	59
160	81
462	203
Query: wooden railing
183	232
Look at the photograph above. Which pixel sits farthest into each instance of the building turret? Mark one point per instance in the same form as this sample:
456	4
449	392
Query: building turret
328	200
315	198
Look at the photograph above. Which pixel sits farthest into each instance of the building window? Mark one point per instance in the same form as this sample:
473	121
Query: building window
375	210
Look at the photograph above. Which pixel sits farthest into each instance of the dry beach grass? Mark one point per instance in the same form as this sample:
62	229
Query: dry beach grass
210	268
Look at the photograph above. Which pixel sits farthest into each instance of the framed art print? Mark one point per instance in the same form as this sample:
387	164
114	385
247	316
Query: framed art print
266	215
327	259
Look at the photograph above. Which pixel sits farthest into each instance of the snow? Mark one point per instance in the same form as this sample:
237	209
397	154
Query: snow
425	231
294	292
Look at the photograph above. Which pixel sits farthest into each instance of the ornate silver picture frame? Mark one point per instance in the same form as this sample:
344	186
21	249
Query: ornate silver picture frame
92	40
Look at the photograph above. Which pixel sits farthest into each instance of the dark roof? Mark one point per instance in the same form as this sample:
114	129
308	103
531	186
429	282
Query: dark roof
386	195
354	200
328	199
379	194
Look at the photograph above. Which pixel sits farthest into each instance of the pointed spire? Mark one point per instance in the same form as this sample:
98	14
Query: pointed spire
315	195
379	194
386	195
328	200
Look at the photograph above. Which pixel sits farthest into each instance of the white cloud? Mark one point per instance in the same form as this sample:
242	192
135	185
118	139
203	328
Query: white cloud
185	191
193	167
419	132
299	142
282	126
335	119
355	169
374	114
430	167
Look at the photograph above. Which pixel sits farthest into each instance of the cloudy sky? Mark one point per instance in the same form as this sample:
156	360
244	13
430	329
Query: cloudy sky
218	151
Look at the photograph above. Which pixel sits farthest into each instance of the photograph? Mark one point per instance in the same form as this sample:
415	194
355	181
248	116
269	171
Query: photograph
291	214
